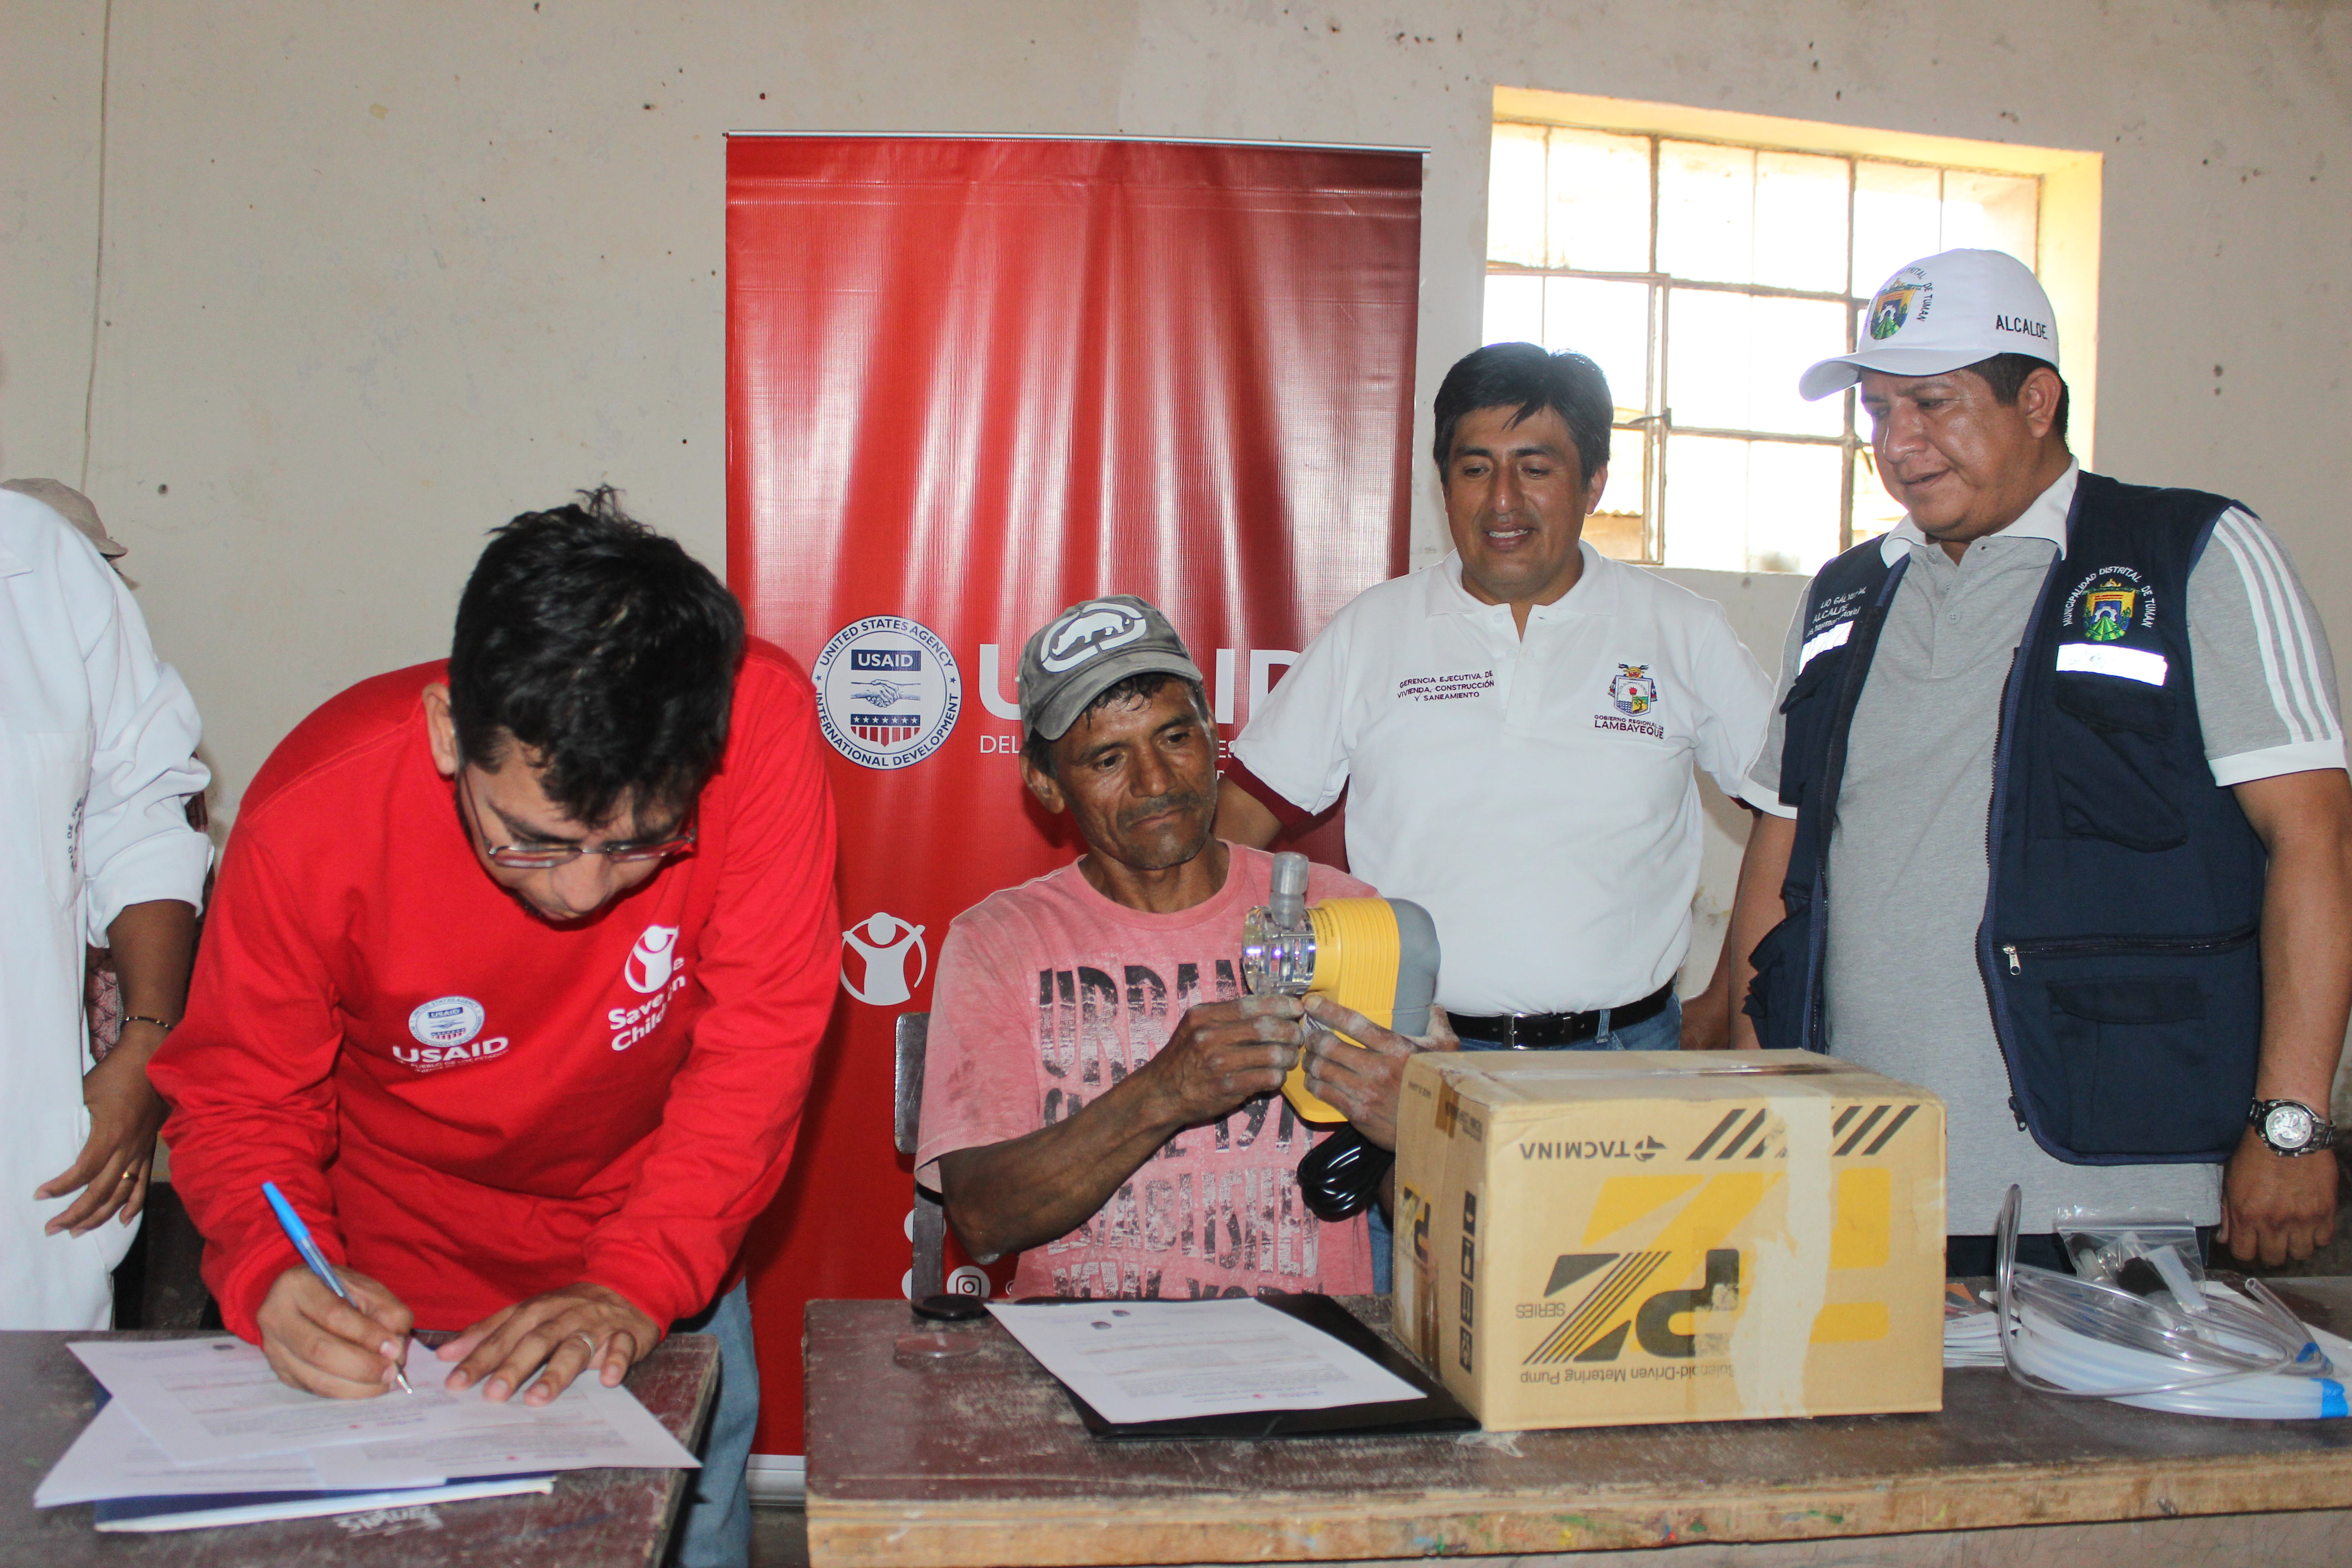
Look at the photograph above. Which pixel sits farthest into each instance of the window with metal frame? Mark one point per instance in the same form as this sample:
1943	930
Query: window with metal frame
1702	277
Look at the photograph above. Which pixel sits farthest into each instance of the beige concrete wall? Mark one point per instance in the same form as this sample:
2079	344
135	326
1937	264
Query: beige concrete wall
375	277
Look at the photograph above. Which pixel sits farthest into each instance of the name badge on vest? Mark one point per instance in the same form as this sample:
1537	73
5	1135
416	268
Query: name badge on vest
1831	626
2108	610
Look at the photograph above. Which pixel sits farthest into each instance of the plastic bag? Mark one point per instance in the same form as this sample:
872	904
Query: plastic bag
2147	1255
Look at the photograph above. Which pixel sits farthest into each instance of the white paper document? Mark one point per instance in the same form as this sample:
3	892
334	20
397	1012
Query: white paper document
210	1391
254	1513
206	1400
114	1457
587	1427
1161	1360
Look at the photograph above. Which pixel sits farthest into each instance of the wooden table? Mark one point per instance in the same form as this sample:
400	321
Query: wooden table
593	1518
981	1461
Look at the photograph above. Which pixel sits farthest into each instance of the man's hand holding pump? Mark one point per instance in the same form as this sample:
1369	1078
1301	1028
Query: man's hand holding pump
1364	1080
1222	1055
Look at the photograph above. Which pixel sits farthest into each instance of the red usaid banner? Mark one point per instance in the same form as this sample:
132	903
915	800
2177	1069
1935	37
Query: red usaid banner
969	382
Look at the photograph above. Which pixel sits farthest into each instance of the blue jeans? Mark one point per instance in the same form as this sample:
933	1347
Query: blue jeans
1661	1032
714	1531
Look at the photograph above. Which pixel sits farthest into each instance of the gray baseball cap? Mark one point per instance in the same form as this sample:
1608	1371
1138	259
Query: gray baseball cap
74	506
1086	650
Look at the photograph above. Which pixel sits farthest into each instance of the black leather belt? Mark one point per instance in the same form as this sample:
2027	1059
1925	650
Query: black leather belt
1551	1031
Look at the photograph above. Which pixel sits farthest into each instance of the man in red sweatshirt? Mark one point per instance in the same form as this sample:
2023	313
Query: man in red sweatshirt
514	984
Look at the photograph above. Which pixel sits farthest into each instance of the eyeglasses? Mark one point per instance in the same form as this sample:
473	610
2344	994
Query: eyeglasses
532	857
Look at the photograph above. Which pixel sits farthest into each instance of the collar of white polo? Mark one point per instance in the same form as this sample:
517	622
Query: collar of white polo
1595	593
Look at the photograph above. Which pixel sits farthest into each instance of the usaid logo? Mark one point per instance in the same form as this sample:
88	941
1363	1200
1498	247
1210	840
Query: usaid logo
1089	630
447	1021
445	1030
888	692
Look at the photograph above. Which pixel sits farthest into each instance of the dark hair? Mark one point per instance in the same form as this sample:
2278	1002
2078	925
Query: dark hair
1524	376
1038	752
602	646
2006	373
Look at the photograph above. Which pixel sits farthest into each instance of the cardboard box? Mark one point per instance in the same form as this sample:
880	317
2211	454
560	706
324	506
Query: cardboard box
1608	1238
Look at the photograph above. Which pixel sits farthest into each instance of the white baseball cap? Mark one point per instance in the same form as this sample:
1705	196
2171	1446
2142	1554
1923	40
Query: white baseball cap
1948	310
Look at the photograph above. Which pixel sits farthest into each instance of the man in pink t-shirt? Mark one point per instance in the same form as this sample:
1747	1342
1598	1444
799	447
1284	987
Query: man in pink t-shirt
1100	1095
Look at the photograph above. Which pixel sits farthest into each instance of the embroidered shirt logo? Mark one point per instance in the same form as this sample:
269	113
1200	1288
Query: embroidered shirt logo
1634	691
2106	605
445	1030
2104	609
2108	613
446	1021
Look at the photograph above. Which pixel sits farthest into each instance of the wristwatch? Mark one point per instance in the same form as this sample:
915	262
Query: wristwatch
2290	1127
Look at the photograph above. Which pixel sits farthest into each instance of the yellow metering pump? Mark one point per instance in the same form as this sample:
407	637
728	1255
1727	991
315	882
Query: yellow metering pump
1378	956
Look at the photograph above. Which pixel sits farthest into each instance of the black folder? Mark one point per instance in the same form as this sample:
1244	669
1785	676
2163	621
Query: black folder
1434	1411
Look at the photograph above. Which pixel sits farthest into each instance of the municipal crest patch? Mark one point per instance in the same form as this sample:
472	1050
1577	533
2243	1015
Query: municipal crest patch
1892	306
2106	605
1634	691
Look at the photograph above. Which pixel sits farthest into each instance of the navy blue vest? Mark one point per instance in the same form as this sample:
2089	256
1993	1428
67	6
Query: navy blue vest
2119	945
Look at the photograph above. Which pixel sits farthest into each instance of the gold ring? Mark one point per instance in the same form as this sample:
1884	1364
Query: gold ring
126	1176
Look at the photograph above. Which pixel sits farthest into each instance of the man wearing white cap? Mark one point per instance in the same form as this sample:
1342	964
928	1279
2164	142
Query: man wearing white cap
2058	822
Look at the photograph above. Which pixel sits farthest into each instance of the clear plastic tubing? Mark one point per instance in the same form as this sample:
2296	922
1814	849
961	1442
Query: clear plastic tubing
2234	1357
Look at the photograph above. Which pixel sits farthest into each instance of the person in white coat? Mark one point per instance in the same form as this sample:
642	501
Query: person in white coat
97	758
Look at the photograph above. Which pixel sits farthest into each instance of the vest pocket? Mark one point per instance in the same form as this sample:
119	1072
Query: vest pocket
1776	997
2141	1071
1806	712
2114	779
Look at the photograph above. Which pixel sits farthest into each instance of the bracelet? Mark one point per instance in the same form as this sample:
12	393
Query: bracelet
142	1018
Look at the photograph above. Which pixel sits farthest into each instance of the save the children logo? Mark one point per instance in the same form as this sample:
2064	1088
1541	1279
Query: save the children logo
651	962
445	1030
888	692
881	946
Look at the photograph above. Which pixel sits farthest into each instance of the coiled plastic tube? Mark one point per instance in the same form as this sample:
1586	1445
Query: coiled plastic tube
2244	1357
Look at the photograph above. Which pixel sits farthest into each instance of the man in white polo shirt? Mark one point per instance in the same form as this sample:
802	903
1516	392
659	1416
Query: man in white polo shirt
2060	827
1516	727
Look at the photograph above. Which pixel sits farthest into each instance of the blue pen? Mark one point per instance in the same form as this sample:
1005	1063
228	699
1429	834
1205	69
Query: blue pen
299	1235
